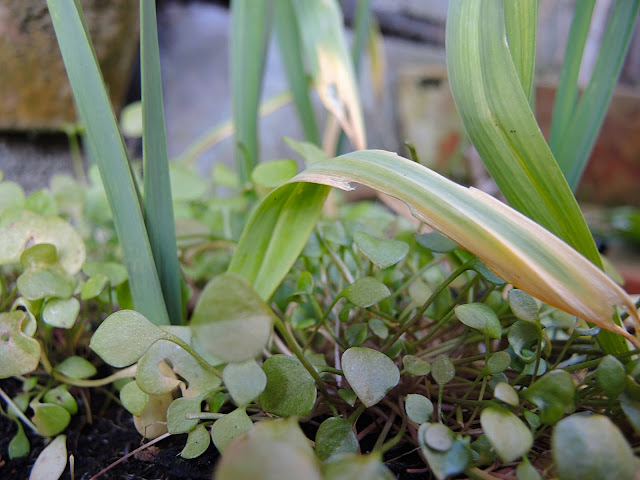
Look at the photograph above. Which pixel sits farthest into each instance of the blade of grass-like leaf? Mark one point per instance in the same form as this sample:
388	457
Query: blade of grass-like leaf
512	245
276	234
576	141
521	19
158	206
502	127
497	117
567	91
108	149
289	42
250	30
330	65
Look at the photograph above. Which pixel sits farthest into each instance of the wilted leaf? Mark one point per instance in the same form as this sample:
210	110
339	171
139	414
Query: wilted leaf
370	373
19	353
153	421
52	461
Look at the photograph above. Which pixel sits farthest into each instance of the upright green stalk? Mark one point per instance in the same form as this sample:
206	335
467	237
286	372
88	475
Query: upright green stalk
250	29
110	154
158	205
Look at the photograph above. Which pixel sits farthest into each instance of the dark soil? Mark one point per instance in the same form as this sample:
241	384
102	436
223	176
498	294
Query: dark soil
111	434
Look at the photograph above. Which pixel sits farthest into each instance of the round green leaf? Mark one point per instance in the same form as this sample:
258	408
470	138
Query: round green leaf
509	436
131	120
415	365
32	229
611	376
37	283
498	362
61	313
19	445
50	419
186	184
370	373
379	328
231	321
39	255
355	334
366	291
276	450
382	253
356	467
506	393
274	173
76	367
42	202
436	242
229	427
553	394
591	448
523	305
418	407
123	337
445	464
52	461
244	381
94	286
134	399
443	370
480	317
439	437
290	389
176	414
523	338
197	443
335	436
115	272
19	353
61	396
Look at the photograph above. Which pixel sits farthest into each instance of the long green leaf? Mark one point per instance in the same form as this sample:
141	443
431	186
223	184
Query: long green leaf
496	114
158	206
576	141
289	42
110	154
250	30
521	19
567	92
512	245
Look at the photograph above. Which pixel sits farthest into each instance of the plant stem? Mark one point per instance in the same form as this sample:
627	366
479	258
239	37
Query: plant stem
14	408
300	356
76	382
203	363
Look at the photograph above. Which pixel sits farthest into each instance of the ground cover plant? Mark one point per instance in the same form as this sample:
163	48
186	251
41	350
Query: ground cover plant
321	338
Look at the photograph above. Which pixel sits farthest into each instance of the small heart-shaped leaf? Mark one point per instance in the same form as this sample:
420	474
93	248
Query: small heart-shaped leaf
290	389
19	445
591	448
480	317
418	407
523	305
231	321
382	253
229	427
61	313
61	396
370	373
415	365
443	370
366	291
244	381
335	436
50	419
509	436
553	394
197	443
123	337
76	367
177	422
